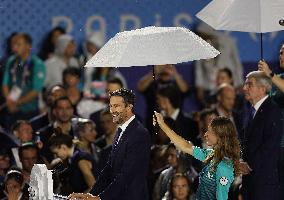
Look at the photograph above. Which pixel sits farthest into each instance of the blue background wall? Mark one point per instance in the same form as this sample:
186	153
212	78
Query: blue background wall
111	16
81	17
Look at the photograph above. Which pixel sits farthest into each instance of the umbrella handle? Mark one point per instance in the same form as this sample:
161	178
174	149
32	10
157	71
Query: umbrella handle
261	47
156	127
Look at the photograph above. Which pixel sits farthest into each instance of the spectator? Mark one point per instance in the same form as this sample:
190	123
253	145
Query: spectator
206	70
71	79
48	44
5	163
42	120
97	87
86	130
178	164
226	97
167	75
65	50
90	47
10	50
180	188
169	101
29	155
23	131
80	174
22	82
106	140
14	187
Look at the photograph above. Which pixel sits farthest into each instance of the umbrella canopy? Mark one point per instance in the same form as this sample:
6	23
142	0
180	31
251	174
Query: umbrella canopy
259	16
152	46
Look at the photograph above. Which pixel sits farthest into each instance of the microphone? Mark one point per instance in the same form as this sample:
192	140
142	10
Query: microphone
57	166
281	22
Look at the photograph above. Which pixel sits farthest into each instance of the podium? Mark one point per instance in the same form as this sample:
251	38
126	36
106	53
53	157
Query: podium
41	184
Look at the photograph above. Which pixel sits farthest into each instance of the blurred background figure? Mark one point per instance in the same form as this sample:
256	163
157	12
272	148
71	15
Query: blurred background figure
22	82
169	102
180	188
97	88
45	117
29	155
62	111
65	49
71	80
48	44
86	130
105	141
14	187
81	168
205	117
166	76
178	163
5	163
206	70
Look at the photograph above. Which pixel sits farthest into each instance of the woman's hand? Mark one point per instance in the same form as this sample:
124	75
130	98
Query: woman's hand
12	193
158	118
263	66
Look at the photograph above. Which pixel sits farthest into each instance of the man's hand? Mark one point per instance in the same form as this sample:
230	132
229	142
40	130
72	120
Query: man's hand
79	196
245	168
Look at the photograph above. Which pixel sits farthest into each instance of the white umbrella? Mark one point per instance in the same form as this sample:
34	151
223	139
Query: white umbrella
152	46
259	16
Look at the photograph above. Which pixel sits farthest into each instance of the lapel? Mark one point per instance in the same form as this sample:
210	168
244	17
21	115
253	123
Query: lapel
123	138
256	121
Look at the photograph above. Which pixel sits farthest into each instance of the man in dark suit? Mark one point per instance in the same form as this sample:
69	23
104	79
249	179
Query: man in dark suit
169	102
260	141
124	176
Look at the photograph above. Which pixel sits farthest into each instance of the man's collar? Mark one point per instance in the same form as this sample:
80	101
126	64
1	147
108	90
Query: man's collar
175	114
124	126
258	104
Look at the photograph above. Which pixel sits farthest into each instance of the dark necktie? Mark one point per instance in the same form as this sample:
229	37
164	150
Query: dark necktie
251	113
118	132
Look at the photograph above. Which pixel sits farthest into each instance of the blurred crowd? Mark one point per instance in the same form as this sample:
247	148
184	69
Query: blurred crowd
55	112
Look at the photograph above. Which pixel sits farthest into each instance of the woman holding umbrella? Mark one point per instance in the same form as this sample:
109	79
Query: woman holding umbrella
221	162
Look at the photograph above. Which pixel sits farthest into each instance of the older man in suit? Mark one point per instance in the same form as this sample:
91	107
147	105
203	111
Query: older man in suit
124	176
261	141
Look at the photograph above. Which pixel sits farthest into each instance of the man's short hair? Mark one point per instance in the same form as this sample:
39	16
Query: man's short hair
222	87
261	79
127	95
64	98
115	81
58	139
74	71
28	39
17	125
28	146
172	94
82	123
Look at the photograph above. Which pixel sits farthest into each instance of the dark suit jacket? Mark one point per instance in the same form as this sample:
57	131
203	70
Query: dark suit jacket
124	176
261	146
186	127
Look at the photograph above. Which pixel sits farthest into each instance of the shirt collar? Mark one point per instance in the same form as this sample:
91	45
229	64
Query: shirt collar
124	126
258	104
175	114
